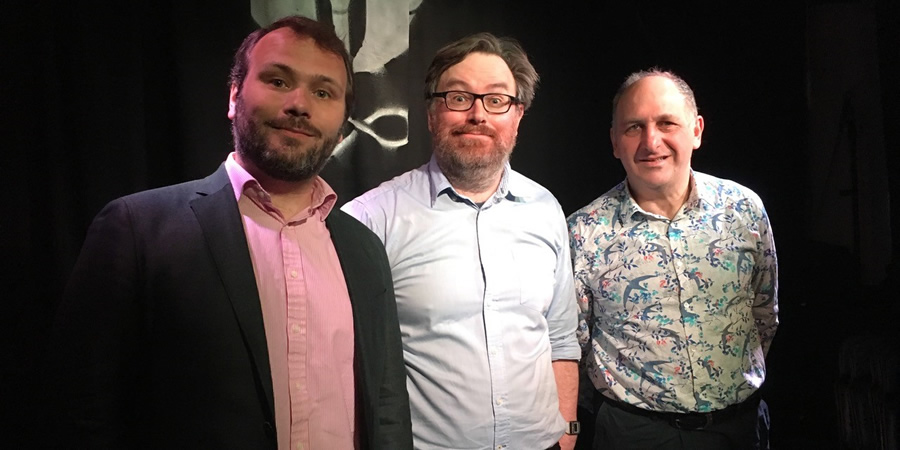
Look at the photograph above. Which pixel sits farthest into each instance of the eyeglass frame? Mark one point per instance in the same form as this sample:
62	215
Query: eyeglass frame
513	100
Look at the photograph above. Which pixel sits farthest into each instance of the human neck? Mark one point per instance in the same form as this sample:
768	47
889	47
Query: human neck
664	202
477	189
477	181
290	197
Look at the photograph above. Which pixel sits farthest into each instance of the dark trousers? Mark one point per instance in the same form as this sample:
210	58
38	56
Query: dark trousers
617	429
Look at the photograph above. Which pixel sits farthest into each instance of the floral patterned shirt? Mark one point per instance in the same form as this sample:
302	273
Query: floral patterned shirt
676	315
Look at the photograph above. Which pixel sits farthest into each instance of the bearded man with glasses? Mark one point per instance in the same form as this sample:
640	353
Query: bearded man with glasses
480	260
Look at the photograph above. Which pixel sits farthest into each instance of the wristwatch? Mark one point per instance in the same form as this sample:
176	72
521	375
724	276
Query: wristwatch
573	428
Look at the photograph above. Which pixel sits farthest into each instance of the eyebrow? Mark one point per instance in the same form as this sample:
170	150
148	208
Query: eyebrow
315	78
459	84
659	118
667	118
269	67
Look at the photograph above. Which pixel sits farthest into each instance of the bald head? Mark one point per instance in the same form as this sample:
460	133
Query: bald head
679	83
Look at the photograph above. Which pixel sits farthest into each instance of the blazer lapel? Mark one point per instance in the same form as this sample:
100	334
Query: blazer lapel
356	273
359	281
217	212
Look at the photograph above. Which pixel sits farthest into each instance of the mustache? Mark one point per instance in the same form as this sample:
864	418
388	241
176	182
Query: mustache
299	124
474	129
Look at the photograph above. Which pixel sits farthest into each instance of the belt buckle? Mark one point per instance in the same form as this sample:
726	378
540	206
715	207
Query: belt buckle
693	422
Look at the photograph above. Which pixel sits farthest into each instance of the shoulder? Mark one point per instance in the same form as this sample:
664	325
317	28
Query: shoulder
603	211
345	226
179	194
522	186
720	193
538	198
165	194
380	203
158	209
536	203
413	180
152	202
355	241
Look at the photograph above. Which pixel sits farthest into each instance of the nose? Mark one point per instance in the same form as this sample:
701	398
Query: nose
297	103
477	113
650	137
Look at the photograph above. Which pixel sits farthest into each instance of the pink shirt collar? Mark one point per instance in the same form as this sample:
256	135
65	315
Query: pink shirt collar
323	197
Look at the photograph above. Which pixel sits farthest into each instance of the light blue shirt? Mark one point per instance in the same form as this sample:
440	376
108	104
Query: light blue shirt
486	302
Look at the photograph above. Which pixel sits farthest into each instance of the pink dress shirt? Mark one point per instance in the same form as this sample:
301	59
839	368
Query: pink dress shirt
307	316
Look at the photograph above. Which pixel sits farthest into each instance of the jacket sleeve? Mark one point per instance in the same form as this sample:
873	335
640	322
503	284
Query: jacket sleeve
368	274
393	412
93	344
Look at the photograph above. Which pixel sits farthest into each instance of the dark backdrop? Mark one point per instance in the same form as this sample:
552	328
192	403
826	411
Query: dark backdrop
102	98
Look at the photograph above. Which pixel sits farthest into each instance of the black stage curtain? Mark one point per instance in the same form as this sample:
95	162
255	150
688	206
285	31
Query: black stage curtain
103	98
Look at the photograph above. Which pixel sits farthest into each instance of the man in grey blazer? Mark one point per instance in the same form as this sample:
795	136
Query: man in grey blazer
241	310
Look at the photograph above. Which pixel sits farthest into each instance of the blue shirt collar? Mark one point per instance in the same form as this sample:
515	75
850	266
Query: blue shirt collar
439	184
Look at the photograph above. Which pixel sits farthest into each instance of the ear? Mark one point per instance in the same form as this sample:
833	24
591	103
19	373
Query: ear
232	101
520	111
612	140
698	131
429	111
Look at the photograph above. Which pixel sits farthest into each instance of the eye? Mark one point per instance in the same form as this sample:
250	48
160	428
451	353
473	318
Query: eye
278	83
496	100
458	97
633	129
322	93
667	125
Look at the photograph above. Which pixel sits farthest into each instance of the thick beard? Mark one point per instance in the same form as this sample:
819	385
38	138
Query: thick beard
288	165
467	166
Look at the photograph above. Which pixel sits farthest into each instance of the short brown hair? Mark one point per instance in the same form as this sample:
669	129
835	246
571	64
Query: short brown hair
506	48
322	34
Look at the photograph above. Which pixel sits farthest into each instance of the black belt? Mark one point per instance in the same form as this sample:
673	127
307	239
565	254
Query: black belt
690	420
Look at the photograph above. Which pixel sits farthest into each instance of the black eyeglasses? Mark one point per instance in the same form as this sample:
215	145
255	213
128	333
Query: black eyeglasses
462	101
